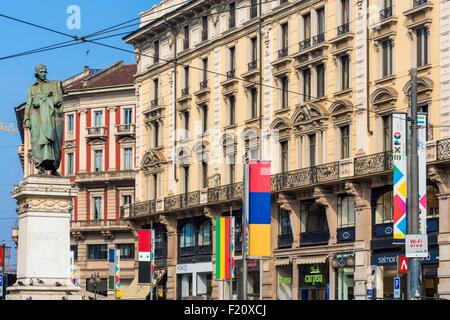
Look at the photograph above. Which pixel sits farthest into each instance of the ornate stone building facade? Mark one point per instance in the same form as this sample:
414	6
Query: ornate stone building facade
98	157
312	86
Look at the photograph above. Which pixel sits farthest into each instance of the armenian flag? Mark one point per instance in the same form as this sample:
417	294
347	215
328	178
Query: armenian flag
225	265
259	208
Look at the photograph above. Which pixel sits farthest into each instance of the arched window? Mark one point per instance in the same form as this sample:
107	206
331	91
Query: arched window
346	212
384	209
432	202
187	236
204	234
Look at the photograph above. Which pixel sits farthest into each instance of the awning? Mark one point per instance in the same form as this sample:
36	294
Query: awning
310	260
283	262
136	291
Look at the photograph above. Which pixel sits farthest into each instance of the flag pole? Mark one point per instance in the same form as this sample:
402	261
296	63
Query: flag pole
151	261
231	254
245	228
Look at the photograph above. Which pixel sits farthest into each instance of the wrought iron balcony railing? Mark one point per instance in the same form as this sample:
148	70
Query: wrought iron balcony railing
204	84
282	53
385	13
142	208
183	200
417	3
305	44
343	29
252	65
285	240
185	91
319	38
228	192
443	149
373	163
231	74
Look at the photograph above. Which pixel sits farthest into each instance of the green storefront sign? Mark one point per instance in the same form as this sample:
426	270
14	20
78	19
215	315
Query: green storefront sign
313	275
287	281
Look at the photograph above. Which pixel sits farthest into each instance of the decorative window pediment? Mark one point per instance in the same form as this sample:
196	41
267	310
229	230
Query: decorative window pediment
309	116
228	143
341	111
183	156
384	99
152	162
424	89
201	150
281	127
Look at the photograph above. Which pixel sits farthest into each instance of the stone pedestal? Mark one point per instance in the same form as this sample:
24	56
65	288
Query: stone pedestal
43	258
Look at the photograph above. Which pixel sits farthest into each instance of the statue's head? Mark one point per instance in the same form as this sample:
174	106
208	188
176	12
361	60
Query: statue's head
40	72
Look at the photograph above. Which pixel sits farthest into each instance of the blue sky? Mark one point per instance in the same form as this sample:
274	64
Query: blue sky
17	73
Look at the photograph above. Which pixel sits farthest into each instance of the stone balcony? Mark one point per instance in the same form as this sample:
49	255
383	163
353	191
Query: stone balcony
96	225
125	130
106	176
96	133
295	180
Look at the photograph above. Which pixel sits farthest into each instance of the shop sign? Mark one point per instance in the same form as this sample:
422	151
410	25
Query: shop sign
194	267
403	264
397	292
390	257
416	246
313	275
287	281
252	265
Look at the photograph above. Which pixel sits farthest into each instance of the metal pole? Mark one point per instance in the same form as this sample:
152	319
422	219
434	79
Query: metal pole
245	230
231	258
260	79
414	272
3	268
151	261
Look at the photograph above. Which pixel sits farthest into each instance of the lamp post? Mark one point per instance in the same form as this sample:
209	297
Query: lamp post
94	280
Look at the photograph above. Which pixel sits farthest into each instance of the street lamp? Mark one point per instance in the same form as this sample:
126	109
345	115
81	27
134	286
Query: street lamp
94	280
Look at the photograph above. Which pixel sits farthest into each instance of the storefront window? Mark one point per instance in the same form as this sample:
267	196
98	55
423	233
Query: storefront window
313	281
204	234
187	237
383	209
204	287
284	288
345	283
184	284
432	202
346	212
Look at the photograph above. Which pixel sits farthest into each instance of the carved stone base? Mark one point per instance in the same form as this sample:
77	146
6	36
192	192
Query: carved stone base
43	254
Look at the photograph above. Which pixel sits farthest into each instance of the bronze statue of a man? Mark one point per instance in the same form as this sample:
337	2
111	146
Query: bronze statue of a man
44	117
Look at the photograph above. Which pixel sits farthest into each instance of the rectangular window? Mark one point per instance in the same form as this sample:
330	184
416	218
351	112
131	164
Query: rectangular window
205	118
422	47
127	116
97	208
387	58
284	156
186	77
156	48
254	48
74	248
186	37
128	158
284	92
313	218
70	123
156	134
155	89
345	142
70	167
345	76
232	106
345	11
155	185
346	212
186	124
320	21
205	28
98	160
387	140
98	119
312	150
186	179
307	26
126	199
204	174
232	21
97	252
254	103
285	223
253	8
284	36
232	168
126	250
306	84
232	58
320	80
205	69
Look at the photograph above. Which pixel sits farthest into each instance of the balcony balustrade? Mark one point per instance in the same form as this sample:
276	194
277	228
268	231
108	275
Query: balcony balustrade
343	29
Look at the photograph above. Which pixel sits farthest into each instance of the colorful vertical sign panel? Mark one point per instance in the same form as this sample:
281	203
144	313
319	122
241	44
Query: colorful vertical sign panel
117	272
144	245
112	267
72	267
233	248
399	174
152	257
259	208
225	264
422	163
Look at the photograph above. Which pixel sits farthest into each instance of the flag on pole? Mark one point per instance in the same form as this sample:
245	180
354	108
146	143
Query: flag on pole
422	159
399	174
259	208
152	255
145	260
224	248
117	273
112	268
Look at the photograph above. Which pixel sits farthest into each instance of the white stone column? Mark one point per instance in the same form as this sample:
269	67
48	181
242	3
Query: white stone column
43	265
